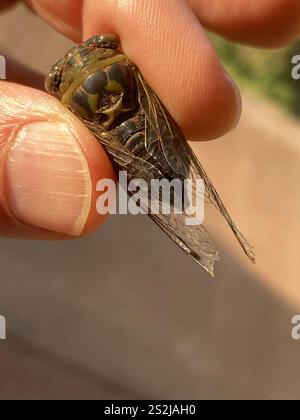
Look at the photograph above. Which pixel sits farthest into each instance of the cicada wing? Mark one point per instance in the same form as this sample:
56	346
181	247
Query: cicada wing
194	240
170	143
214	199
160	132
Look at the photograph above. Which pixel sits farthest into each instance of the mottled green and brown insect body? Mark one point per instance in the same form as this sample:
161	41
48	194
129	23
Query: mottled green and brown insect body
110	96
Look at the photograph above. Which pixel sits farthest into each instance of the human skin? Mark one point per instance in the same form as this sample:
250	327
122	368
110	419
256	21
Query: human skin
50	163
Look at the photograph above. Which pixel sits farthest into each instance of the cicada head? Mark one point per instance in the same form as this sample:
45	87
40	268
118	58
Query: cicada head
65	71
95	81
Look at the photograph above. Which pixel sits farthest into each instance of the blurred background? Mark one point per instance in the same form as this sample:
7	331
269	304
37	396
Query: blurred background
124	314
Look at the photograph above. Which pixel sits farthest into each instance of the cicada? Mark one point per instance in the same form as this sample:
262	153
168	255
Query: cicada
102	87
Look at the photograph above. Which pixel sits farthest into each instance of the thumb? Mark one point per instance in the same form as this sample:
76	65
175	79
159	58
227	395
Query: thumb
49	168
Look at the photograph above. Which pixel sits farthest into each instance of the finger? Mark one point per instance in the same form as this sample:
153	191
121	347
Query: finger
49	165
267	23
63	15
166	41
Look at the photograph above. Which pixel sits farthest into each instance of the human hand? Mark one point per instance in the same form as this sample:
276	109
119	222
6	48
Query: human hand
50	163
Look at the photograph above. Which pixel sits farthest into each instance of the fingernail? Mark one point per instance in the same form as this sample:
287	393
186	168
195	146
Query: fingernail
48	179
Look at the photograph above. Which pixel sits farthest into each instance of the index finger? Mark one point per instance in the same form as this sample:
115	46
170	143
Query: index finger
167	42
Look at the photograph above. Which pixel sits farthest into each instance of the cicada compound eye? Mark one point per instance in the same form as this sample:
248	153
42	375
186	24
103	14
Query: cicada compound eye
53	81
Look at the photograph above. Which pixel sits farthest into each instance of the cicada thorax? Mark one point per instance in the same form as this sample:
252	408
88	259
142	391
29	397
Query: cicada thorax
106	96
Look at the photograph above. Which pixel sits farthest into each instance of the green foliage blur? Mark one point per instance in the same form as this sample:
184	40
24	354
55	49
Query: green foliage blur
265	70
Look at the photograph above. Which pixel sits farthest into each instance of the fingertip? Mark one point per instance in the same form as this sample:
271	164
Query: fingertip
64	16
211	105
171	49
176	58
